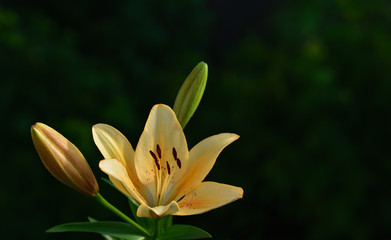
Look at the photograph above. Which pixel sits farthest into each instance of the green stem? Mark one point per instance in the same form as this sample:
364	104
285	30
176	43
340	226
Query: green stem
108	205
157	229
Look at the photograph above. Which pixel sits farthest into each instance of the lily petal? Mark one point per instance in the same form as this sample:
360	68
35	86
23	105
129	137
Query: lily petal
113	144
162	136
159	211
116	170
208	196
201	160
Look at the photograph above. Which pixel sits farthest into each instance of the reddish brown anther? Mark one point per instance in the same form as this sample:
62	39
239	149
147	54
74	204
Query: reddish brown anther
156	161
153	155
157	164
159	151
179	163
174	153
168	168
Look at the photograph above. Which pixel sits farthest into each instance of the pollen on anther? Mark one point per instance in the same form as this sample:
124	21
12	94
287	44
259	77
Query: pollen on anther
159	151
168	168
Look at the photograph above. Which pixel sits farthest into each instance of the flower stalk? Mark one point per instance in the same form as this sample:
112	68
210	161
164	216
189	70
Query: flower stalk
157	231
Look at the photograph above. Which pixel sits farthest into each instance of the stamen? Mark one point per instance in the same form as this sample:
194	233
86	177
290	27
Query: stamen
156	161
174	153
168	168
159	151
153	155
178	162
157	165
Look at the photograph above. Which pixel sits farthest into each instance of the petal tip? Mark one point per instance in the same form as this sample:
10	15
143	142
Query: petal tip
99	125
161	105
235	136
241	193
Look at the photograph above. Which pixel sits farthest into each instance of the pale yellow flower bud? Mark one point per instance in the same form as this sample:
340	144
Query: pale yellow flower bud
63	159
190	94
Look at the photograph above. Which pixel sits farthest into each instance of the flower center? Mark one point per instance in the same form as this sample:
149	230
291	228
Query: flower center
165	170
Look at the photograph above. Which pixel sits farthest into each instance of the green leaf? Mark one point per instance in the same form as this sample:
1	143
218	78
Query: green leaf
144	222
107	237
115	229
182	232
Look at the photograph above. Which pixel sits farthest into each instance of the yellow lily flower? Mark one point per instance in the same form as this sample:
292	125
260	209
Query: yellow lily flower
161	174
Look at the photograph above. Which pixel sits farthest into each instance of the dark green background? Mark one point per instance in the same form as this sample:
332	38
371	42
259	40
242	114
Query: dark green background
305	83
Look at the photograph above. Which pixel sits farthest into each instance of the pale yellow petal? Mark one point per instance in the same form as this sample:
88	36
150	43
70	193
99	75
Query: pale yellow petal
201	160
116	170
208	196
159	211
162	134
113	144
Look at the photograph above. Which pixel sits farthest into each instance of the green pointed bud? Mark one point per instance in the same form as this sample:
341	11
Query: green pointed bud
190	94
63	159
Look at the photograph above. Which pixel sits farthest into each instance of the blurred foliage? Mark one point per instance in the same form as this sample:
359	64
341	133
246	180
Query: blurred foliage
305	83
